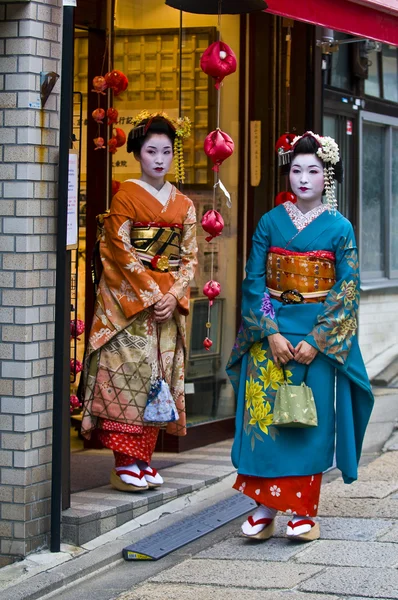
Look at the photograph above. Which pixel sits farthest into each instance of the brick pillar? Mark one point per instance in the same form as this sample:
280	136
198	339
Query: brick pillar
30	35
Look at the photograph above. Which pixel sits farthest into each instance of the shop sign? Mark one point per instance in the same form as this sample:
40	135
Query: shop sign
255	153
72	230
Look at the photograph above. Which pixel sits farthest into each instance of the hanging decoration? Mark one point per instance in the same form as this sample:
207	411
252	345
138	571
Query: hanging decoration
99	143
213	223
116	81
218	146
112	115
98	115
76	328
218	61
99	85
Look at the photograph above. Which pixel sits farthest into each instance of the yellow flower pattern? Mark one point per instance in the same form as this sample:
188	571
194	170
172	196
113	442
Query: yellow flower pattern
273	376
261	415
254	392
257	353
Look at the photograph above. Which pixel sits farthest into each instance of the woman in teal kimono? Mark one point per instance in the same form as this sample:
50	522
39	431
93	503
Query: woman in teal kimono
299	311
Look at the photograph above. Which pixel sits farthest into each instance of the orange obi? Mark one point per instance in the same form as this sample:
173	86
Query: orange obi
295	277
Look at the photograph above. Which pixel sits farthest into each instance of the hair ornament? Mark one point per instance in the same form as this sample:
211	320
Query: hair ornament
181	128
328	152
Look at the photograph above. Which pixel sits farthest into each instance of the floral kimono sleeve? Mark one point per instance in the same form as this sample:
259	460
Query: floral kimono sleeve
258	314
188	257
127	279
337	323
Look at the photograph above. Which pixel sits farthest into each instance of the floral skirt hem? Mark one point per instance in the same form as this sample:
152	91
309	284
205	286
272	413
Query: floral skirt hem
292	495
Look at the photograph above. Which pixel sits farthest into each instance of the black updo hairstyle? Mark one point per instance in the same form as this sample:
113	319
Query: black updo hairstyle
136	139
308	145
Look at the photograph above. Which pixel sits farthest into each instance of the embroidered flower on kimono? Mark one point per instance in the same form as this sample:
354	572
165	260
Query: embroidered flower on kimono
275	490
108	312
126	291
273	376
135	266
104	319
148	297
257	353
349	292
261	415
266	306
345	328
254	392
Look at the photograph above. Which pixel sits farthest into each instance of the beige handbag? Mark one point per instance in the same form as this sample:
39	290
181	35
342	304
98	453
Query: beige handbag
294	405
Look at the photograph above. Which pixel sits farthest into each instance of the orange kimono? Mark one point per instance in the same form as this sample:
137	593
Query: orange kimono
147	248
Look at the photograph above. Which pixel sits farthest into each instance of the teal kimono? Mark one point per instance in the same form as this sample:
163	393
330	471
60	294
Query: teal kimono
337	375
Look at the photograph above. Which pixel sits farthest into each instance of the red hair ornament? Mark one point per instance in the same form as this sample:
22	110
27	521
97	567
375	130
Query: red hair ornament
283	197
218	146
218	61
117	81
213	223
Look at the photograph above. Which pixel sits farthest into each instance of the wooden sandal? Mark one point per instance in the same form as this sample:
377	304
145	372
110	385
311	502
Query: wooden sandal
118	484
313	534
265	533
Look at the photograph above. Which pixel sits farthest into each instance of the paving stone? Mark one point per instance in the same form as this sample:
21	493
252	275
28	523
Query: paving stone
230	573
152	591
350	554
240	548
390	536
392	443
384	468
360	489
354	581
336	528
352	507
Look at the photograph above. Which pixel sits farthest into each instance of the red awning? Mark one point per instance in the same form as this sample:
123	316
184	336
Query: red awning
363	18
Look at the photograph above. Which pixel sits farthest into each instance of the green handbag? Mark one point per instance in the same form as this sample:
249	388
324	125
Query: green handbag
294	405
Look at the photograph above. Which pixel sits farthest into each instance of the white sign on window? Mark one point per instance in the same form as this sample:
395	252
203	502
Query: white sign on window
72	229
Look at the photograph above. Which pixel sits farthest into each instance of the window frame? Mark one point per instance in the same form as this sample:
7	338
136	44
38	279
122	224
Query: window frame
388	278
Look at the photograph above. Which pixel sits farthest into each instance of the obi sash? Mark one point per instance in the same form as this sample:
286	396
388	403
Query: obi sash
157	245
295	277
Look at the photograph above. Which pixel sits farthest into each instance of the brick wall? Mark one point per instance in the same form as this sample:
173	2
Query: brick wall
378	323
30	35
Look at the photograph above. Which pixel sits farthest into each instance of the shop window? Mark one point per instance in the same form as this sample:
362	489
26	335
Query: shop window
340	71
372	83
382	80
379	197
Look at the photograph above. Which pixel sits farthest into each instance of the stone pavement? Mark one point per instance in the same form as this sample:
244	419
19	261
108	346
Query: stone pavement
357	556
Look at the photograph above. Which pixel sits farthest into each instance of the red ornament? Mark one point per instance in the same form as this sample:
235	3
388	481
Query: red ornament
218	61
112	145
98	114
284	143
117	81
112	115
218	146
99	143
207	343
74	403
75	366
212	289
120	137
283	197
115	186
76	328
213	223
99	85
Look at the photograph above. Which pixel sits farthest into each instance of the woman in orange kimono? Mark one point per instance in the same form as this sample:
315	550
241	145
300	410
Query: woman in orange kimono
148	254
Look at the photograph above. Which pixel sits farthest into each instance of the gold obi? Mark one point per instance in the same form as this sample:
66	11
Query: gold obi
294	277
157	245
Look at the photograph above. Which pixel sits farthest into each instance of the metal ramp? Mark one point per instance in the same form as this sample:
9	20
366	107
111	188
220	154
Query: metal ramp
163	542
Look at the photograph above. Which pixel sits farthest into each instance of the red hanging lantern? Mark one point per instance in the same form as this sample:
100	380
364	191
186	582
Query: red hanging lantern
218	61
283	197
117	81
99	85
212	289
99	143
98	115
218	146
112	115
213	223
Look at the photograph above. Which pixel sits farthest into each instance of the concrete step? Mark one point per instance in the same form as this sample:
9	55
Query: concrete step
387	376
102	509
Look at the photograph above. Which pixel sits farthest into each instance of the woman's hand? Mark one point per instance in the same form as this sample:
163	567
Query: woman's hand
164	308
305	353
282	350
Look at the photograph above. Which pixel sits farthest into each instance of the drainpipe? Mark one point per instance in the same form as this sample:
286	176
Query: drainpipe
62	298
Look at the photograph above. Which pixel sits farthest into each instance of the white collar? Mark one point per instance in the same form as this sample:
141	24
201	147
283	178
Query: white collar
161	195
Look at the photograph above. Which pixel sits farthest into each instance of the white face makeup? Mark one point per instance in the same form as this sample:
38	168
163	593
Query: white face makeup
307	178
155	158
